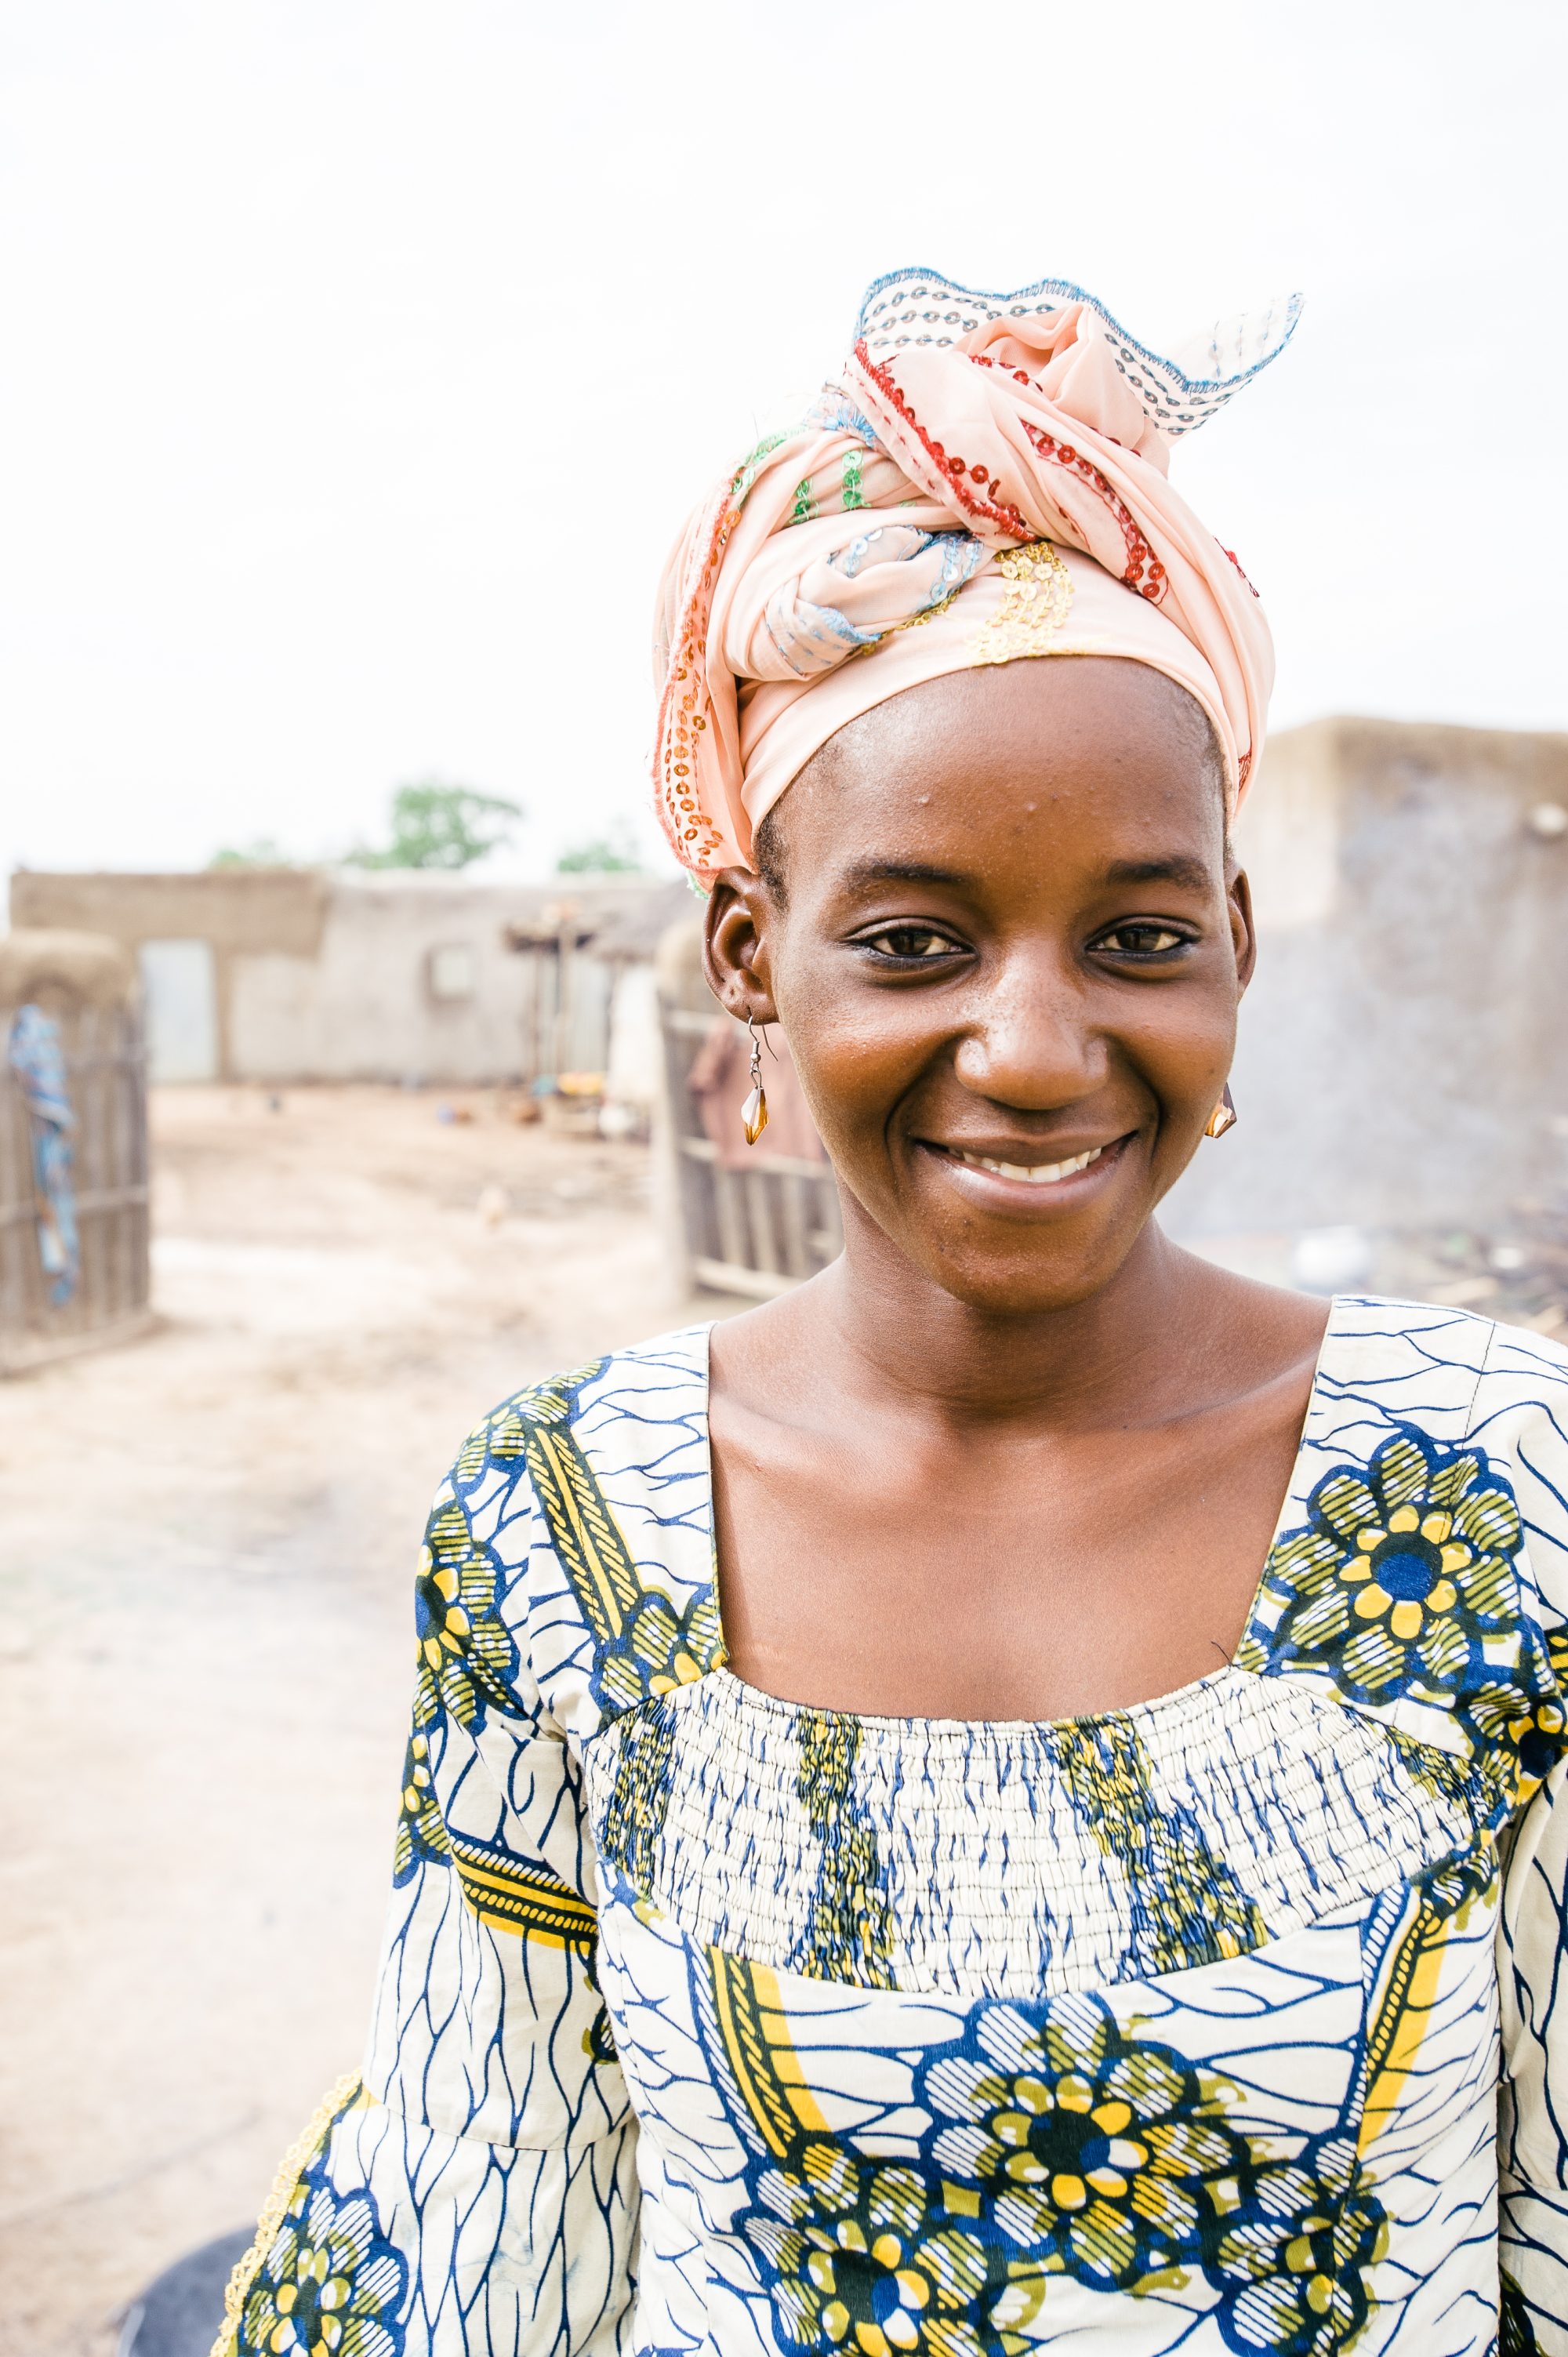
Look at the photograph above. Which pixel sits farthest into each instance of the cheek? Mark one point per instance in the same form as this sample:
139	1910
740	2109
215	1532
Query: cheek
1181	1037
857	1055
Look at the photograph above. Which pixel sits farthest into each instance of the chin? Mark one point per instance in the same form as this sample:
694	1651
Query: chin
1019	1284
1005	1267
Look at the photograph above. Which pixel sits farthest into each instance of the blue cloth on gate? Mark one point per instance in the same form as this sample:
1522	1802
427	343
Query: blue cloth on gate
38	1062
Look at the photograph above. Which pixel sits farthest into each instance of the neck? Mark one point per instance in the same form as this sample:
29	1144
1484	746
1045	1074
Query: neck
1103	1360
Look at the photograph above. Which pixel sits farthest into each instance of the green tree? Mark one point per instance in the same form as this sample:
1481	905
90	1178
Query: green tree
602	854
262	853
435	825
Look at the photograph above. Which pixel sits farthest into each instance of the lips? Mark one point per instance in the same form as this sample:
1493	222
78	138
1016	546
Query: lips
1033	1174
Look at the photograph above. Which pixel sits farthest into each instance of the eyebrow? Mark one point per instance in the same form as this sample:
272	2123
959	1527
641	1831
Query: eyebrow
1177	868
866	872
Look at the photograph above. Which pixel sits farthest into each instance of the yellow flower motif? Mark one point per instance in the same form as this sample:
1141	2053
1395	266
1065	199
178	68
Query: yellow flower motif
330	2283
1098	2152
1402	1579
1408	1568
1529	1726
1293	2265
663	1648
1118	2157
862	2262
445	1626
421	1830
467	1655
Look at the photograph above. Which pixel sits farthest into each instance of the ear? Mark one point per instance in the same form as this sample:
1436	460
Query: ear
1243	933
741	916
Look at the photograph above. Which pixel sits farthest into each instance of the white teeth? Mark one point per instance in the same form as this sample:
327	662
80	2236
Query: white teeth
1035	1174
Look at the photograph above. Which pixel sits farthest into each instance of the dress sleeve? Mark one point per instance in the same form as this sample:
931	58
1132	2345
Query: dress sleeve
1533	2105
1532	2112
474	2194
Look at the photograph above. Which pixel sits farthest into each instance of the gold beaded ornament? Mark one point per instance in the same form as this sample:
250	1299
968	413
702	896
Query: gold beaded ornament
1034	605
753	1112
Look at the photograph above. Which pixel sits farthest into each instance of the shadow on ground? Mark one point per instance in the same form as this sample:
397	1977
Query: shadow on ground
179	2315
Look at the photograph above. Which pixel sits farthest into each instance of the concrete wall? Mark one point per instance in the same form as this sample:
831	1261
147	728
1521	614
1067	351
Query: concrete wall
337	977
241	912
363	1008
1403	1051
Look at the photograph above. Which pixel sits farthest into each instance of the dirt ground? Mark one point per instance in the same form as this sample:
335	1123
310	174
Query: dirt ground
207	1542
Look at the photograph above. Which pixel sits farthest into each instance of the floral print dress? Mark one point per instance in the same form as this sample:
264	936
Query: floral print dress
1234	2021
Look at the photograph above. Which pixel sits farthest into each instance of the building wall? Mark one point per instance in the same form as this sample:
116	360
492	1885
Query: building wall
1403	1050
238	912
362	1008
333	977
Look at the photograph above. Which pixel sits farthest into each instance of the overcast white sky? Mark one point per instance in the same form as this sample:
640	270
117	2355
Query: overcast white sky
363	356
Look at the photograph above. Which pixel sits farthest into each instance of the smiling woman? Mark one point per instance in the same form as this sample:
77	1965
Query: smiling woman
995	918
1010	1800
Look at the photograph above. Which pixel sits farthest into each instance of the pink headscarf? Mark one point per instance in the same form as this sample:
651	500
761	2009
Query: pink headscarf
989	466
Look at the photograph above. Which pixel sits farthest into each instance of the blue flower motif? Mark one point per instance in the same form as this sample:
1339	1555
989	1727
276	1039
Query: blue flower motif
1096	2154
1293	2266
1401	1575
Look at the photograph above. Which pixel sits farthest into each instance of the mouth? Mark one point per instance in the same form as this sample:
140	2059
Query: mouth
1033	1174
1009	1185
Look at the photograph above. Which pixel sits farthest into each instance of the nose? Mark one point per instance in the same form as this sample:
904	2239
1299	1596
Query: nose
1031	1042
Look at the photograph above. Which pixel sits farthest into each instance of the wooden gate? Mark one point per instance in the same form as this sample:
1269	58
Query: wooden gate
758	1231
80	983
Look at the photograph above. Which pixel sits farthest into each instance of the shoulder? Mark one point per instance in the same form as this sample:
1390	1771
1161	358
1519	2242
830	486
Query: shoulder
581	1505
1426	1363
1445	1377
1519	1423
632	1405
1424	1568
1481	1399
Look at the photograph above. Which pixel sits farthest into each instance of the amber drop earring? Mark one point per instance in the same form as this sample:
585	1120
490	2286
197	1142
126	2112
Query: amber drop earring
1224	1115
753	1112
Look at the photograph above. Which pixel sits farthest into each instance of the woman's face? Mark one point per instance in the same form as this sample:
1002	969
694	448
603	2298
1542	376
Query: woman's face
1007	951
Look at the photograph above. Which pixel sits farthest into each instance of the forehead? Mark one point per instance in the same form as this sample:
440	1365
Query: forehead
1098	757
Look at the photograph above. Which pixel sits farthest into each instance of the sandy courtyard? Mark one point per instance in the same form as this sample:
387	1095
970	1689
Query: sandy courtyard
207	1543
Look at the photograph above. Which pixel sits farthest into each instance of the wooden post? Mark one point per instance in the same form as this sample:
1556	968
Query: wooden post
755	1231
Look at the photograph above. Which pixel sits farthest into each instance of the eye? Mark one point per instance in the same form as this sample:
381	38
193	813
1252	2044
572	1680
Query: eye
1142	939
911	944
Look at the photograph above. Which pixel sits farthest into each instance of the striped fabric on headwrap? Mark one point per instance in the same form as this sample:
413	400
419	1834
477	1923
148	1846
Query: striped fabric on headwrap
989	466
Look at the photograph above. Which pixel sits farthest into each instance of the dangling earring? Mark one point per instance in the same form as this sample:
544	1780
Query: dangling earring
1224	1115
753	1112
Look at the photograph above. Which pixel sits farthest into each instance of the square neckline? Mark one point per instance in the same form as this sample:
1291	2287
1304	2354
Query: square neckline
1172	1698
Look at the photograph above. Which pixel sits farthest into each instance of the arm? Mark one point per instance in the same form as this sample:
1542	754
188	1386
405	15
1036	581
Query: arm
475	2194
1534	2097
1533	1975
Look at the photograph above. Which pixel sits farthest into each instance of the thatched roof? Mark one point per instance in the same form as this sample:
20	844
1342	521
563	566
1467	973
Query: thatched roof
634	928
87	967
623	918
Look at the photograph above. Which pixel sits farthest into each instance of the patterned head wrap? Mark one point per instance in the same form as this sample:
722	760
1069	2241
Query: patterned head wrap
991	466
